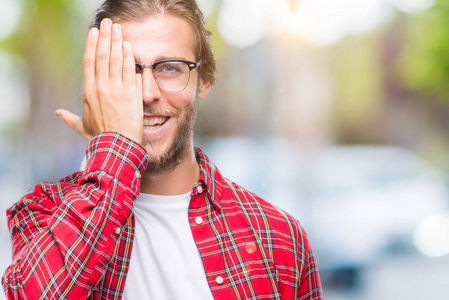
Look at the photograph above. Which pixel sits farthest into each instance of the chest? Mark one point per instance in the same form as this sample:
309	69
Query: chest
240	260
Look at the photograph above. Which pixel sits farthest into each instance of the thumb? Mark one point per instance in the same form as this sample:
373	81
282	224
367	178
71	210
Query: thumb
73	121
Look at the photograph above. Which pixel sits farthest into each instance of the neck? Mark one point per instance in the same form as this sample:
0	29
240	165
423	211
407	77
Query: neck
177	181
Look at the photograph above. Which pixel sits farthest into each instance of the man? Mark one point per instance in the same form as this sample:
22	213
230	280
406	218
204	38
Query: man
150	217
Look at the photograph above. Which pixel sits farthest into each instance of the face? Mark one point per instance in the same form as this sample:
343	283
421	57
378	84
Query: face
169	117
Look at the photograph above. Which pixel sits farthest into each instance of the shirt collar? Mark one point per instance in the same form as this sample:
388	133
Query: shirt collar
210	178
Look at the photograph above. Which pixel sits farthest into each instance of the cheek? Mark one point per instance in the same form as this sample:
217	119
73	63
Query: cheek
180	104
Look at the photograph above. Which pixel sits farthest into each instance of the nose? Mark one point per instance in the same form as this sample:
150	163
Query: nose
150	90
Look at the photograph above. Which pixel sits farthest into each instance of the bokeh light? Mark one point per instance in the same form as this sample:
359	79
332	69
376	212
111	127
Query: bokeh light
324	22
14	94
10	12
432	235
413	6
242	23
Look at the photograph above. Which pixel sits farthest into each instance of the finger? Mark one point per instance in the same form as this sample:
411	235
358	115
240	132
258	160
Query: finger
103	51
73	121
116	61
139	87
129	65
89	58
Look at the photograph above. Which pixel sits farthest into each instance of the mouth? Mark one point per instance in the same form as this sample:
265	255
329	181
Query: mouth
154	123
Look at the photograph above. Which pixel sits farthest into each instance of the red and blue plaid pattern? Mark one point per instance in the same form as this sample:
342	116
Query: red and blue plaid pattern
73	239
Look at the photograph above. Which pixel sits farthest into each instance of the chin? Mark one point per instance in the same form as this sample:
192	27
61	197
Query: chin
166	157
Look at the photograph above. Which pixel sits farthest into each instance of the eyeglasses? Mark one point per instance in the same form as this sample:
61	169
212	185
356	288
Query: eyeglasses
171	75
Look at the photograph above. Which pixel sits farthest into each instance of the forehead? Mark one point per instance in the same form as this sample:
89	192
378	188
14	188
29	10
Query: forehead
157	37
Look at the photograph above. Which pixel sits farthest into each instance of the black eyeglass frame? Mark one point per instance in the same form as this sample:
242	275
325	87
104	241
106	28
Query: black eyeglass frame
190	64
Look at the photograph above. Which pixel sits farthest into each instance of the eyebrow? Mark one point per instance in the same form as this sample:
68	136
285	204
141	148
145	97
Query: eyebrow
139	60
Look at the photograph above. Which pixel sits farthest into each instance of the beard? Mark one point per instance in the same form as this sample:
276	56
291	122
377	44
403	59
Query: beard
179	147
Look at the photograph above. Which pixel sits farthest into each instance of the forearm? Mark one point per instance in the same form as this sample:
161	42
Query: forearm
65	249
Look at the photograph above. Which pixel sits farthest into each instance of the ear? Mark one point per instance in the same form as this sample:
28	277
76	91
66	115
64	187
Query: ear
204	88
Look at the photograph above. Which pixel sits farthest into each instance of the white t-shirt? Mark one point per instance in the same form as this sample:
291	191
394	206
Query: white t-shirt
165	261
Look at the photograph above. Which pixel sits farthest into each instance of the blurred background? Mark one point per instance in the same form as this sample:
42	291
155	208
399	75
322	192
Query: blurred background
334	110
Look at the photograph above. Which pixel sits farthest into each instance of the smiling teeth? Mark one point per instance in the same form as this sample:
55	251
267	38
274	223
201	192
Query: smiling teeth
154	121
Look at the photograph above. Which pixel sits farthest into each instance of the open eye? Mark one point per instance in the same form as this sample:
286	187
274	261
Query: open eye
169	68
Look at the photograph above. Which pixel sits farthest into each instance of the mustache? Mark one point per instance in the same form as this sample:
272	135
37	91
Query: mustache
161	111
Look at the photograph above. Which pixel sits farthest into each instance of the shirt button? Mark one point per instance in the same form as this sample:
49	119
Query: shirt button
199	189
117	230
219	280
198	220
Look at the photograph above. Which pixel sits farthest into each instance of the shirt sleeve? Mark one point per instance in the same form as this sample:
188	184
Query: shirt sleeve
64	233
310	282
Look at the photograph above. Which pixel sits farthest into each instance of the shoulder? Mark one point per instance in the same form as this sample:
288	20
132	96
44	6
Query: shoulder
282	237
264	217
240	204
251	203
282	243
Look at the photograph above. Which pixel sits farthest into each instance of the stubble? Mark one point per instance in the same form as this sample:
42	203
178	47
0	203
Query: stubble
179	147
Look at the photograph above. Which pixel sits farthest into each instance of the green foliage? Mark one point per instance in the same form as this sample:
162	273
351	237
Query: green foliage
45	37
424	63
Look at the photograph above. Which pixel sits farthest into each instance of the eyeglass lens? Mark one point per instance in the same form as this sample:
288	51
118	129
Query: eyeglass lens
171	76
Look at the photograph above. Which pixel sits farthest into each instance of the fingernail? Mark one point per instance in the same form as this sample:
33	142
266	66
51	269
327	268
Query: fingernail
94	31
116	28
106	23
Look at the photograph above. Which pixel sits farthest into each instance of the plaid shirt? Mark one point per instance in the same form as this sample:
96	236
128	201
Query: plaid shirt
73	239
